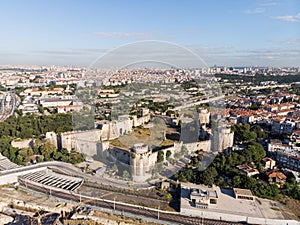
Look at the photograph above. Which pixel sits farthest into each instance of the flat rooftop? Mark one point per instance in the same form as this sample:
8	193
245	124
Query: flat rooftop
228	204
239	191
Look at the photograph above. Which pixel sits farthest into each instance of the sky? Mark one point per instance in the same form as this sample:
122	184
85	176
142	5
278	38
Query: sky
77	32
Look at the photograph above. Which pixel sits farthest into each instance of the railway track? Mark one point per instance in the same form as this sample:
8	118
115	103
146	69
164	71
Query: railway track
136	210
7	108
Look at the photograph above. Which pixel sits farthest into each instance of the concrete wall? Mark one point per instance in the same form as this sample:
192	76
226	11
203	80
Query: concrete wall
109	131
102	150
235	218
13	177
120	155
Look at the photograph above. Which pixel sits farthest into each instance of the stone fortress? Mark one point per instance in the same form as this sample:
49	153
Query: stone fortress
139	159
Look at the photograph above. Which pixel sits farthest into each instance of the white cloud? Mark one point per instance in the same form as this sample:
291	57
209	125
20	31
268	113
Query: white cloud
123	35
255	11
268	4
216	50
72	52
289	18
288	41
265	56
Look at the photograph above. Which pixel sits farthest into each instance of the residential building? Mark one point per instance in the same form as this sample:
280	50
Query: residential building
248	170
275	177
202	197
243	194
268	163
285	155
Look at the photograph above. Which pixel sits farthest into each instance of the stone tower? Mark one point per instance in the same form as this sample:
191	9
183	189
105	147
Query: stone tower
204	116
222	139
142	161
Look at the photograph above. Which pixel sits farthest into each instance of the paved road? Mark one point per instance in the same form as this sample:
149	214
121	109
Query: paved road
199	102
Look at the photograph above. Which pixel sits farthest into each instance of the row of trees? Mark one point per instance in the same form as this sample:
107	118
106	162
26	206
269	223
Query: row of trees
245	133
158	106
50	152
161	155
36	126
29	126
259	78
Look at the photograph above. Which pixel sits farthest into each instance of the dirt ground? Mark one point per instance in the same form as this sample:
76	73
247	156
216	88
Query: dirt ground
111	219
290	208
141	133
31	203
148	198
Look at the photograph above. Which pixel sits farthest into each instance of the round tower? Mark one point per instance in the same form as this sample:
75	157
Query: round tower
140	162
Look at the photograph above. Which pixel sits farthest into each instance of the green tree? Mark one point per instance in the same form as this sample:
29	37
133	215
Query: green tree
248	182
41	109
254	152
75	157
24	154
114	168
47	150
168	154
209	176
237	181
126	174
160	156
195	161
19	112
260	133
220	182
243	133
168	196
186	175
133	156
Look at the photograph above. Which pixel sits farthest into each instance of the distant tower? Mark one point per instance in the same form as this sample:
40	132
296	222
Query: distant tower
145	111
204	116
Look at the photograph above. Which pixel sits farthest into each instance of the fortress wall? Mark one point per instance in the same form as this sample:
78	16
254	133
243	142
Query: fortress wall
82	141
24	143
200	145
52	138
123	127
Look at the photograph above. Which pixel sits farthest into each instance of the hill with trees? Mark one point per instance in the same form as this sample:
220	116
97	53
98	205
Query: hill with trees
36	126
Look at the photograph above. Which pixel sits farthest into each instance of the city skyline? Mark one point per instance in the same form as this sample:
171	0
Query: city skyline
243	33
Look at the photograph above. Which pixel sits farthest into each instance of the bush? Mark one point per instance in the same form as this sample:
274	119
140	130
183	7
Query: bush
168	154
160	156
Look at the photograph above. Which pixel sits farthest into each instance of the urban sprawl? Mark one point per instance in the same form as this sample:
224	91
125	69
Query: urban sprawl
217	145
